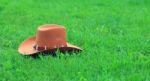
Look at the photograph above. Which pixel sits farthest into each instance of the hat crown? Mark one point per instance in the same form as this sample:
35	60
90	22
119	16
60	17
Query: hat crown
51	36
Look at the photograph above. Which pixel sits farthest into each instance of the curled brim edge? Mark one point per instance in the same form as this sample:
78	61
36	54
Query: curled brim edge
26	47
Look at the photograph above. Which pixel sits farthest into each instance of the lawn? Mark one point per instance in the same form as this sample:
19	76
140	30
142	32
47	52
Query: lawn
115	36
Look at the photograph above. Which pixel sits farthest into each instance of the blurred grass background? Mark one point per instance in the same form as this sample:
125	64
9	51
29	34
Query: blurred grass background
115	36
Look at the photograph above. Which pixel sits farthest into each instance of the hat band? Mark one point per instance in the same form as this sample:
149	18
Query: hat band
36	47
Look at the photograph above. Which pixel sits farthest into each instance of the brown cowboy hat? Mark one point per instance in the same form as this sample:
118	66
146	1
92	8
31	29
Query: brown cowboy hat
49	38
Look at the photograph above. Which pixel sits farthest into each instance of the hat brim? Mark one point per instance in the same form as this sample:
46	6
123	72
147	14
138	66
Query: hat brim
27	47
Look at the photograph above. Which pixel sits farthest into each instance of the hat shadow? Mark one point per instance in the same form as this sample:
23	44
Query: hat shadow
53	53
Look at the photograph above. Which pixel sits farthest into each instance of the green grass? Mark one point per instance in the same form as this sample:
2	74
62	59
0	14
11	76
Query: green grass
115	36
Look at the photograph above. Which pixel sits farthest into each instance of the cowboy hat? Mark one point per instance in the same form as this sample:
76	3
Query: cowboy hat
49	38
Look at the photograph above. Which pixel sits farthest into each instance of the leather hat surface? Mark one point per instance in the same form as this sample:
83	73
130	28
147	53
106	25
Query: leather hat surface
49	38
